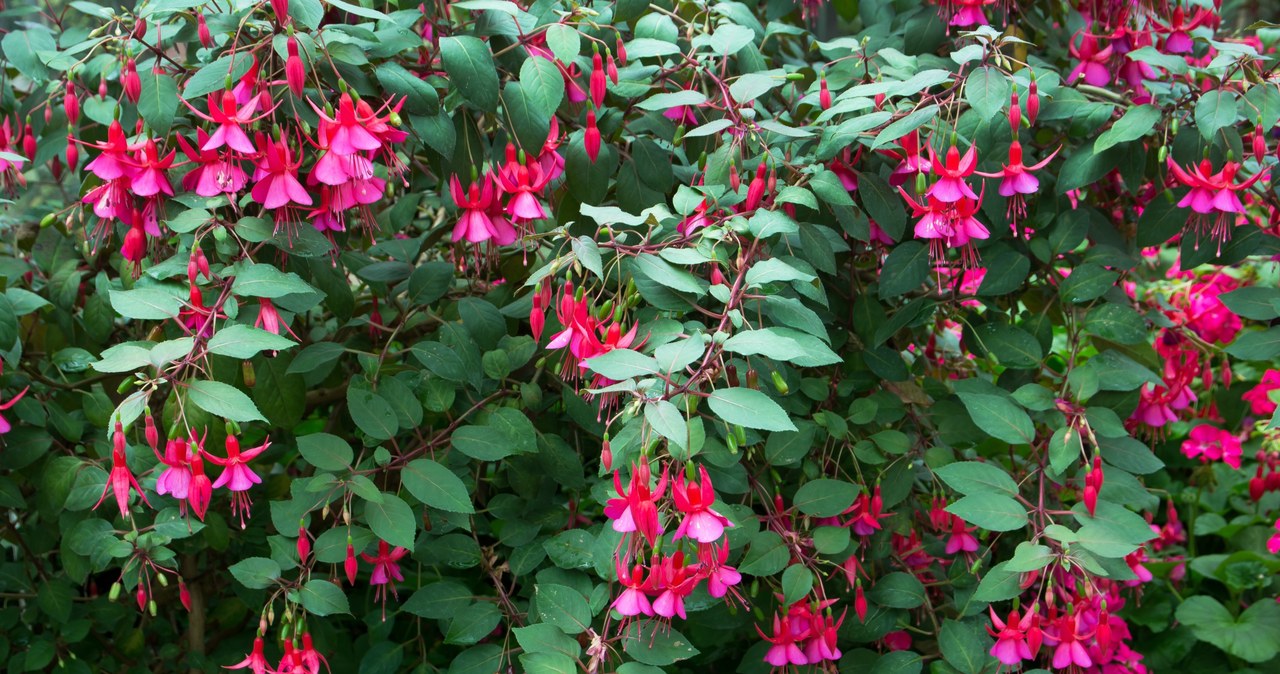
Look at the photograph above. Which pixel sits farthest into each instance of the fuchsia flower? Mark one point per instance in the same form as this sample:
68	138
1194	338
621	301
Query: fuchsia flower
269	318
1260	398
216	173
1177	31
113	160
386	565
223	111
632	601
151	177
1011	637
1016	179
176	478
1093	60
311	658
673	581
970	13
867	513
1213	444
475	225
635	508
1273	543
5	427
1213	196
256	661
1067	637
277	176
701	523
121	479
951	186
347	131
784	650
912	162
200	489
947	226
720	578
524	183
237	476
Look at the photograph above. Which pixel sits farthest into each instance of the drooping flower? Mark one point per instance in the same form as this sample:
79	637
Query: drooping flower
701	522
1262	402
311	658
1213	196
524	183
216	172
277	178
867	511
1209	443
1177	31
113	159
295	73
200	490
231	119
121	479
1017	180
256	661
176	478
970	13
269	318
952	171
474	224
635	508
1011	637
347	131
237	476
386	565
1093	59
784	650
721	578
632	601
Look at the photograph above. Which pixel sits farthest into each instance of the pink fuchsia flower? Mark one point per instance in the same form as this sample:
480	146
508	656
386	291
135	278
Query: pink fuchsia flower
175	481
721	578
1011	637
311	658
1093	59
524	183
216	173
230	119
1067	638
347	132
277	178
200	490
632	601
1159	405
237	476
1208	443
951	186
269	318
1273	543
1136	561
151	177
823	632
700	523
1177	31
5	426
673	581
1260	398
1016	179
474	224
867	513
386	565
961	538
635	509
113	160
121	479
970	13
784	651
1213	196
256	661
912	162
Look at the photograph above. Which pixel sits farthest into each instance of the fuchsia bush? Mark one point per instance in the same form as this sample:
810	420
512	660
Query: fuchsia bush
619	336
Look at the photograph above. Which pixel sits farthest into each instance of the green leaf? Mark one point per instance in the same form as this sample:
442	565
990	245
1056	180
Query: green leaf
1258	303
563	607
54	598
987	90
797	582
528	120
212	77
244	342
1216	109
665	418
1030	557
998	584
392	520
883	204
322	598
256	573
656	644
481	443
1087	282
158	101
439	600
999	418
372	413
1116	323
1065	449
223	400
767	555
470	66
264	280
22	50
1254	636
436	486
420	98
974	477
358	10
621	364
749	408
906	268
995	512
564	41
1012	346
904	126
1256	345
825	497
543	85
897	590
473	623
1137	122
325	451
965	646
151	304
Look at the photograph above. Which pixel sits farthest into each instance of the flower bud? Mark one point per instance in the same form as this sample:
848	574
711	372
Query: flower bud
780	383
824	94
114	593
131	82
202	29
1033	102
184	595
591	137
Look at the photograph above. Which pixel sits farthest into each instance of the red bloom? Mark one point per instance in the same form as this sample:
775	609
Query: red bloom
131	82
591	137
635	508
121	479
295	73
256	661
223	112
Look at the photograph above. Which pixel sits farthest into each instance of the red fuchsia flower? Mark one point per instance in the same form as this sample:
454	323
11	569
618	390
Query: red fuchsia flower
673	581
1262	402
635	509
1016	179
71	104
130	81
223	111
200	490
551	160
277	176
347	131
350	565
291	661
961	538
1273	543
700	523
216	172
591	137
721	578
1208	443
633	600
175	481
134	248
867	513
475	225
5	427
822	639
970	13
113	159
269	319
1159	405
311	658
695	220
1093	60
784	651
202	31
237	476
1136	561
386	565
682	114
196	318
1067	637
947	226
912	162
524	183
1213	196
1201	309
824	94
1011	637
1177	31
151	177
755	190
121	479
295	73
951	186
597	83
538	313
256	661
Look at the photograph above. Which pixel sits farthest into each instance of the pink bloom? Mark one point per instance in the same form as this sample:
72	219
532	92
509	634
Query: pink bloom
256	661
269	318
961	538
216	172
524	183
278	184
632	601
237	476
720	578
121	479
176	478
822	639
1093	61
866	510
784	650
347	132
951	186
151	176
1066	637
223	112
1011	637
386	565
701	523
969	13
311	658
1212	444
1016	179
113	162
1273	543
474	224
1260	397
635	509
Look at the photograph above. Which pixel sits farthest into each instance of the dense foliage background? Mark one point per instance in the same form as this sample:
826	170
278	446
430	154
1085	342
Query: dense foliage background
624	336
